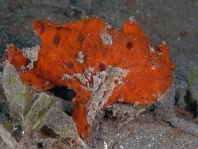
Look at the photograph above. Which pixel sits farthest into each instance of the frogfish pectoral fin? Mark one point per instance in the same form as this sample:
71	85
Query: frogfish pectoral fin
15	56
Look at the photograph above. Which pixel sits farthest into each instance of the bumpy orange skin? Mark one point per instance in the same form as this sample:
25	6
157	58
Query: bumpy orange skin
150	69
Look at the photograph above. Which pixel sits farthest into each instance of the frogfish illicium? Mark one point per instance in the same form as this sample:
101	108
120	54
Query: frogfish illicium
103	65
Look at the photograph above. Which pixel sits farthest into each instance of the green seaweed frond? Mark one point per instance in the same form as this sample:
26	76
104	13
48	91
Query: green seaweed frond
45	110
193	75
27	104
8	126
10	80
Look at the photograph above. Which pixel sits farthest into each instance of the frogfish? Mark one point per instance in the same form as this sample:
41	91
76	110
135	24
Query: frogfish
103	65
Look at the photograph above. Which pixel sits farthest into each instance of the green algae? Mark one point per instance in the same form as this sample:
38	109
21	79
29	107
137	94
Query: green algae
31	115
15	92
37	114
8	126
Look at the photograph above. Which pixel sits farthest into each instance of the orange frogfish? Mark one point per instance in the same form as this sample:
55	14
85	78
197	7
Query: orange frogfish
103	65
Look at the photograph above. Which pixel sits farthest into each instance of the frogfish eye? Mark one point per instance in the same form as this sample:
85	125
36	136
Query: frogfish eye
153	65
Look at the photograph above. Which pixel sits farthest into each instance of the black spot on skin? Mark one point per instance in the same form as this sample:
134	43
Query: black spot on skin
129	45
86	127
63	92
41	71
42	29
116	81
67	28
80	38
37	76
39	26
106	49
56	40
29	80
79	89
102	67
69	64
48	72
86	57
